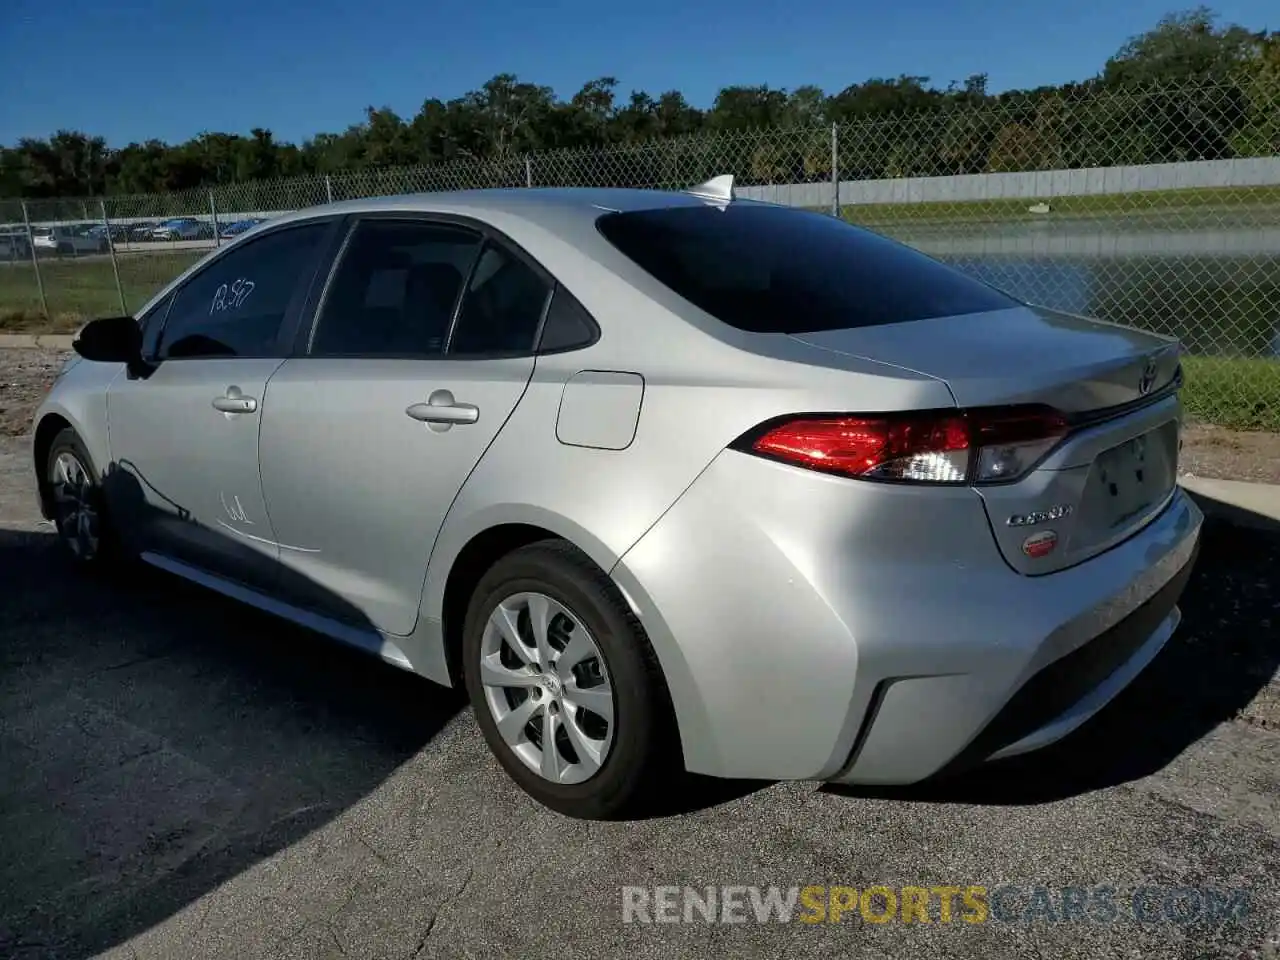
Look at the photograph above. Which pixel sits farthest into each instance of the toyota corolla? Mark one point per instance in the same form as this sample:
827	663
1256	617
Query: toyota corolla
667	481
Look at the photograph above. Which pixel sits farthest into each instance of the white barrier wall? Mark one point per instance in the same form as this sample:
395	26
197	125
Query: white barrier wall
1030	185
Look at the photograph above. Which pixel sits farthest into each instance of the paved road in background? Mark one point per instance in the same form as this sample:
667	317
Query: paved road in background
183	777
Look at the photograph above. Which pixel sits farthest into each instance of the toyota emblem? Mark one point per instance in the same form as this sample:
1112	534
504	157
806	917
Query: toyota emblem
1148	378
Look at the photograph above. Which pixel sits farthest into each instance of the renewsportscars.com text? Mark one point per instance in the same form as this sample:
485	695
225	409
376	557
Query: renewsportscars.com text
972	904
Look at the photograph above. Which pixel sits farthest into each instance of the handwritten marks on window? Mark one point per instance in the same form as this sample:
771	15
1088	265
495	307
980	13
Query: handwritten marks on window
231	296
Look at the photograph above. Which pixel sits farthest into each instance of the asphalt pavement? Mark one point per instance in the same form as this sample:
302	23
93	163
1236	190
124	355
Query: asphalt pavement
181	777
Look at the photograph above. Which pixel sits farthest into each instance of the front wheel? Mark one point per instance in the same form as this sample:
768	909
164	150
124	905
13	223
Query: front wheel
75	491
565	686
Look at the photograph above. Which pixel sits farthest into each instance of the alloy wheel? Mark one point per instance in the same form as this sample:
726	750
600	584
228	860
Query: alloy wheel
75	512
547	686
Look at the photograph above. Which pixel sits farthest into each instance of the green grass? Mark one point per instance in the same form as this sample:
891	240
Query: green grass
1240	393
79	290
1141	204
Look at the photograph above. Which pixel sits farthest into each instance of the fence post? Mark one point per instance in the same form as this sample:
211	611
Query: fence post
528	172
835	169
213	212
35	261
328	187
111	246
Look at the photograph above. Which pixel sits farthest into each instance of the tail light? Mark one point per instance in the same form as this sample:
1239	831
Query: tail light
951	446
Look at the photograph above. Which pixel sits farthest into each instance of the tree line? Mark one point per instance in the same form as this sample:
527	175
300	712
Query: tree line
1189	88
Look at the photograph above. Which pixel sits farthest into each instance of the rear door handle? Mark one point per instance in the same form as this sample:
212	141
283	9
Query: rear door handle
444	413
233	401
442	409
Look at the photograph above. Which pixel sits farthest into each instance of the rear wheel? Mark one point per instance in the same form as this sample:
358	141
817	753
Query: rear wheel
565	686
75	491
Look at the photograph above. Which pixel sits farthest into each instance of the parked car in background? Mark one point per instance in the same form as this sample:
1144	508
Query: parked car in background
232	230
68	239
662	480
140	231
183	228
119	232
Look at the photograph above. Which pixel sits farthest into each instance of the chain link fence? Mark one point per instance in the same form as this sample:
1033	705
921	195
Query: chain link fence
1157	209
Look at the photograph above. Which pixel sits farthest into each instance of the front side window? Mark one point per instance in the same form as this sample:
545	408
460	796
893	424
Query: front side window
152	324
395	291
237	305
768	269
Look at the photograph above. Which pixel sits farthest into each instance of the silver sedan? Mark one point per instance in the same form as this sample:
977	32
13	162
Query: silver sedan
667	481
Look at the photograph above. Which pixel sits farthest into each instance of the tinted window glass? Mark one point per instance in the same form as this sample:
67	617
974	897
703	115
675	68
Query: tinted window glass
502	307
778	270
395	290
568	325
152	323
235	307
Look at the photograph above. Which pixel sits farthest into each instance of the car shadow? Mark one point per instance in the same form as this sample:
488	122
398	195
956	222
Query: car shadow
157	739
1216	663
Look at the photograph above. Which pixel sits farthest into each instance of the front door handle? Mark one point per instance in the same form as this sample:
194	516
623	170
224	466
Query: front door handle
233	401
442	408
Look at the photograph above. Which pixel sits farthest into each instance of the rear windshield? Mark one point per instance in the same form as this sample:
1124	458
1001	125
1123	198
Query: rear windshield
769	269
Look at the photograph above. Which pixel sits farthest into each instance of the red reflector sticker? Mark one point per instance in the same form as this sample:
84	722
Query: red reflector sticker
1040	544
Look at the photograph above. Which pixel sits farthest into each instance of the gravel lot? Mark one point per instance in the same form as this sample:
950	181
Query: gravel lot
25	376
182	777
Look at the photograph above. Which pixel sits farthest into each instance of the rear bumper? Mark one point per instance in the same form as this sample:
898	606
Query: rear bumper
1066	693
817	628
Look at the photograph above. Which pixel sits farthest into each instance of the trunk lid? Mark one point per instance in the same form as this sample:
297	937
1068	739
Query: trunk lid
1116	469
1023	355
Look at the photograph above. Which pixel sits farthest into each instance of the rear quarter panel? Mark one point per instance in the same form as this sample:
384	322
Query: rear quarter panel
700	392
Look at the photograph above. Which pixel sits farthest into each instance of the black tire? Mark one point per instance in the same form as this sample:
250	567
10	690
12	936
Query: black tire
645	749
68	441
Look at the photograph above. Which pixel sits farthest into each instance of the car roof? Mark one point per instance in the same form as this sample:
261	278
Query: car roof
556	209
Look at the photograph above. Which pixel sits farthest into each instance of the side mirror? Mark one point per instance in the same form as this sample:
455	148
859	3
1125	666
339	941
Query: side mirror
112	340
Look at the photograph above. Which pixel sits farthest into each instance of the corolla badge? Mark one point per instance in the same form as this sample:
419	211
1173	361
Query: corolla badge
1148	378
1056	512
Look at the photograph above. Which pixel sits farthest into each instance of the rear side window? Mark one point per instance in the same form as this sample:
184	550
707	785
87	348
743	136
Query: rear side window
768	269
395	291
568	325
502	308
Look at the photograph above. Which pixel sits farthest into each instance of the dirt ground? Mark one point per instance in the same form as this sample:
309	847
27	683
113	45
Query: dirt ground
25	376
1207	451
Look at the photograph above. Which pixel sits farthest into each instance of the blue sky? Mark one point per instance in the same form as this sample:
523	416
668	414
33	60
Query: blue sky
133	69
